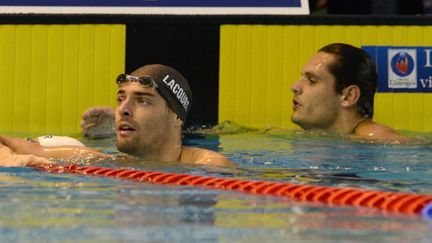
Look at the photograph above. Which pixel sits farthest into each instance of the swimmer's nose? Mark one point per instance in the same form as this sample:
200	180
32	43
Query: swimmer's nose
296	88
126	113
124	110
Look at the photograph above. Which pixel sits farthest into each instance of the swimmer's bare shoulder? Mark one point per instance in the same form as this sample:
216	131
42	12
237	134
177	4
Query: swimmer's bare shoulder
373	131
204	156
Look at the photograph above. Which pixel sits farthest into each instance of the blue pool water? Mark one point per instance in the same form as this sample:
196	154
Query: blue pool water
43	207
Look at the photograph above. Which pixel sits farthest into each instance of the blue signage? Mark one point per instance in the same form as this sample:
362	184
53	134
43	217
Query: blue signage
155	3
184	7
402	68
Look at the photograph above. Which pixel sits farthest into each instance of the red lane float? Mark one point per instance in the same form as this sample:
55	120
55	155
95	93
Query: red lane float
405	203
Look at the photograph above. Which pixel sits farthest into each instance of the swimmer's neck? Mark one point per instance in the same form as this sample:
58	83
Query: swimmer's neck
345	125
170	154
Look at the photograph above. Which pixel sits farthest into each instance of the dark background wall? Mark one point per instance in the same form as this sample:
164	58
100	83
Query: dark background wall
192	49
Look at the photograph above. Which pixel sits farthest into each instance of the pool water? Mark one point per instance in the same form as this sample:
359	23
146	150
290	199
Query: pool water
43	207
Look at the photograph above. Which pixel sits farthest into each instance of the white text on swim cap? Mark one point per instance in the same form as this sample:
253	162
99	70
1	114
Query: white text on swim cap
178	91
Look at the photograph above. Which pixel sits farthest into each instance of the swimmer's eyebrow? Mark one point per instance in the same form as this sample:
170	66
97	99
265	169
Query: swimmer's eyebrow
137	93
310	75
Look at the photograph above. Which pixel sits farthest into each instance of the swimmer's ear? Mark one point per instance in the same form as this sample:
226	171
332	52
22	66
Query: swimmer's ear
175	118
178	122
350	96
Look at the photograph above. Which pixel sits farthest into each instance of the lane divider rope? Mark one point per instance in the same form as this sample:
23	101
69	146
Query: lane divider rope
393	202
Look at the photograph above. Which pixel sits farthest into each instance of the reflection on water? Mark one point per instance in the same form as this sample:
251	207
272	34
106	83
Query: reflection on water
37	206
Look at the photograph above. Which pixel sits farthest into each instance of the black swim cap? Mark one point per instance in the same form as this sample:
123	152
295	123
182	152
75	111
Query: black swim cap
172	86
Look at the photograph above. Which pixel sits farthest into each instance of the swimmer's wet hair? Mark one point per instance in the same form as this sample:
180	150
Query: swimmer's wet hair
353	66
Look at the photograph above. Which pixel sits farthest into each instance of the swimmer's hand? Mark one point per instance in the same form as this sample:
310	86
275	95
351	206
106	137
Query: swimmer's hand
9	159
98	122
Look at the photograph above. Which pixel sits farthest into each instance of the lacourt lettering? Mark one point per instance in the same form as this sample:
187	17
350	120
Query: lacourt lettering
178	91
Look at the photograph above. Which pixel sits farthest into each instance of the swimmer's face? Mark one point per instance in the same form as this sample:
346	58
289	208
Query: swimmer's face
316	104
143	119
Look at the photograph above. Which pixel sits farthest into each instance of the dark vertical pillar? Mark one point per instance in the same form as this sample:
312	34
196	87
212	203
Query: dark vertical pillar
192	49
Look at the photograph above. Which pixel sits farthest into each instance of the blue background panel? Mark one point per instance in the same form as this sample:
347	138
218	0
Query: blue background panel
156	3
421	65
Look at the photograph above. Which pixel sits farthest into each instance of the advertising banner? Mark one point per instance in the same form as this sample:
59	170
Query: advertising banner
402	68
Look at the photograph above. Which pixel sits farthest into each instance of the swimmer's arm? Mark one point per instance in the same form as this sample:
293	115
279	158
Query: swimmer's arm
204	156
9	158
22	146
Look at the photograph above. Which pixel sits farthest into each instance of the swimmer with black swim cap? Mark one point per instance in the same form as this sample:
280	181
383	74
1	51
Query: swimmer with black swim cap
153	104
